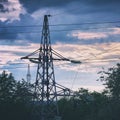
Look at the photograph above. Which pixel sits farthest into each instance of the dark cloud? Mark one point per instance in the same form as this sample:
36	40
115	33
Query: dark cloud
81	10
32	6
18	29
102	2
5	31
3	9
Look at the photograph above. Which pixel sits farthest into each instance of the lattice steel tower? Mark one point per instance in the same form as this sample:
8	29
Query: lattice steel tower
28	76
46	89
45	79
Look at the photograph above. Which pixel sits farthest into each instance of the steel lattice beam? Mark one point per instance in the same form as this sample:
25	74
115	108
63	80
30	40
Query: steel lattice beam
46	89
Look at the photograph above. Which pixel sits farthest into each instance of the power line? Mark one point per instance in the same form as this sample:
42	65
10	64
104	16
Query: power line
104	52
61	30
21	32
93	61
108	60
90	60
19	26
14	64
5	28
16	67
75	77
65	24
71	24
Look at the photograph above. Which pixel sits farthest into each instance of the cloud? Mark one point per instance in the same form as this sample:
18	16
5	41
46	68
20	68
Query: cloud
3	9
94	48
115	31
89	35
101	36
19	29
94	56
11	10
93	5
14	52
39	8
91	56
75	37
42	4
102	2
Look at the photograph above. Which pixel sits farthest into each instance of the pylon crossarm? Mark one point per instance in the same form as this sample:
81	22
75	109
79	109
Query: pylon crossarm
63	91
31	54
59	93
57	54
34	60
75	61
61	58
65	59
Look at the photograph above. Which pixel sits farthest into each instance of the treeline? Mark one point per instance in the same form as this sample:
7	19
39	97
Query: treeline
16	97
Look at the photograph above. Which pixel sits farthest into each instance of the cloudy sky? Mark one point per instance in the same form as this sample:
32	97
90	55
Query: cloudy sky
85	30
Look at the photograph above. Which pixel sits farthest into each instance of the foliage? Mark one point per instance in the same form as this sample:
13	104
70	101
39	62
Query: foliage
112	81
13	98
16	100
7	86
86	106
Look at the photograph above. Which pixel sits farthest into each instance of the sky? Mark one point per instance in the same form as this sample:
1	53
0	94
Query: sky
85	30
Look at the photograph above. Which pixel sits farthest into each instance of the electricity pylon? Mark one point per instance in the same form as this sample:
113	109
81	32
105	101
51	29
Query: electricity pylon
46	89
28	76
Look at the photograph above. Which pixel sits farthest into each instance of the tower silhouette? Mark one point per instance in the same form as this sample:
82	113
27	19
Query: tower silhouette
46	88
28	76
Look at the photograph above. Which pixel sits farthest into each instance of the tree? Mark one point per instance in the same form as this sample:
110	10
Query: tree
15	98
7	86
85	105
23	92
112	81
